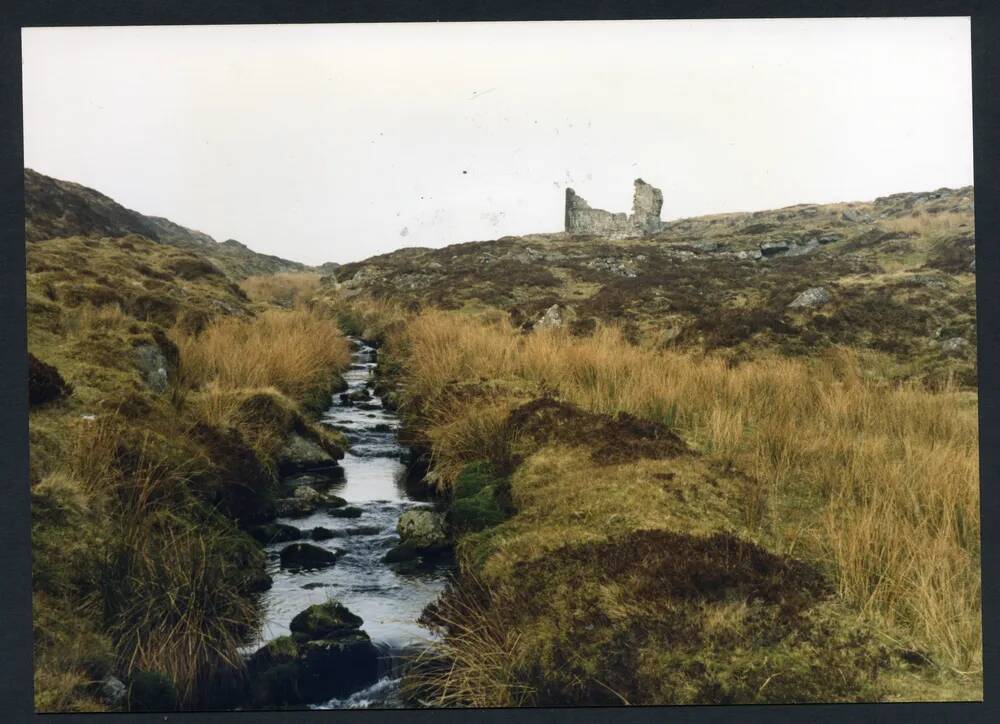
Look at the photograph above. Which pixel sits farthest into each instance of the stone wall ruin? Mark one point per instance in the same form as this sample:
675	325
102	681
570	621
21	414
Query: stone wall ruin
644	219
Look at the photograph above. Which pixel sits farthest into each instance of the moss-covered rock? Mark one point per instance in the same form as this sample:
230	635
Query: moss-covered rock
324	621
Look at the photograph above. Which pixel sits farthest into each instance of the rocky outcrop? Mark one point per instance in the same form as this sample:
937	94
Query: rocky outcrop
647	203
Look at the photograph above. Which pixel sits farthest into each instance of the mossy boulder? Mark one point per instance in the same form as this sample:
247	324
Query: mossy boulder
324	621
348	511
477	499
335	668
423	530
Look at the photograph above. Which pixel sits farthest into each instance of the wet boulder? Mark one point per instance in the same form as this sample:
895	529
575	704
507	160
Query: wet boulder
275	533
336	667
320	533
401	554
348	511
293	507
324	621
300	454
327	655
423	530
306	555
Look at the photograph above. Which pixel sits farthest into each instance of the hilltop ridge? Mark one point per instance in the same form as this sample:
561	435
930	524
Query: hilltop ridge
894	276
56	209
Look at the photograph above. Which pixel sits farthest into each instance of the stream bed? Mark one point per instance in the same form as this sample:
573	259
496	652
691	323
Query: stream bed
388	597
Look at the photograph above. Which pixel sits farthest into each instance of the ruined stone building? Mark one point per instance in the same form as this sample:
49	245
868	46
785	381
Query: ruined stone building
644	219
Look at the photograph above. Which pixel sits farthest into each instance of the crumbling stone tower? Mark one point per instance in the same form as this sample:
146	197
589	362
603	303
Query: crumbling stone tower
644	219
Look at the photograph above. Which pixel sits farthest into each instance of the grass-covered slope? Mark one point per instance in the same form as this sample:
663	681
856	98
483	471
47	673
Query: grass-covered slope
161	396
897	274
56	209
654	526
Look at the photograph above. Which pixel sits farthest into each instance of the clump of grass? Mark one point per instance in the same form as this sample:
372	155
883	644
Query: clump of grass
287	289
294	351
922	223
170	575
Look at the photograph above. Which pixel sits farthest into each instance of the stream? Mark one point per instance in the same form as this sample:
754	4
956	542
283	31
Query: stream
389	597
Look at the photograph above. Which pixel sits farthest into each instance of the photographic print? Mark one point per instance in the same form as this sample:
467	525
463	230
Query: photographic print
502	364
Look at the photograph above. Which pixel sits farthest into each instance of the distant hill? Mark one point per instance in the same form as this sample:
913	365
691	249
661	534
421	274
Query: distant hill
894	275
57	209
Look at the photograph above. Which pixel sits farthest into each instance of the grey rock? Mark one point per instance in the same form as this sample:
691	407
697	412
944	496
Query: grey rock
423	530
300	454
153	366
112	690
955	345
773	248
552	319
814	297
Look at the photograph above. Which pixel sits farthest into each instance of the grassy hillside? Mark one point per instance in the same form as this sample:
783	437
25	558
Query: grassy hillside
55	209
161	396
897	275
670	482
648	526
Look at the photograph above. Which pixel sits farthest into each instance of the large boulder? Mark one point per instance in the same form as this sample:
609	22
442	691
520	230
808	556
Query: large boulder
423	530
327	656
336	667
324	621
300	454
306	555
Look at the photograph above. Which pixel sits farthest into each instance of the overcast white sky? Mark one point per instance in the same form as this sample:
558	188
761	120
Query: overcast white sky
336	142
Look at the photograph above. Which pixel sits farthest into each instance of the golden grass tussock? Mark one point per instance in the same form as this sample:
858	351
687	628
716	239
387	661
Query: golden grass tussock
293	351
922	223
878	481
286	289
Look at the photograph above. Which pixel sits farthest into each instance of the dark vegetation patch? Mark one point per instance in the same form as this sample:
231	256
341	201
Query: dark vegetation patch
656	617
613	439
44	382
665	564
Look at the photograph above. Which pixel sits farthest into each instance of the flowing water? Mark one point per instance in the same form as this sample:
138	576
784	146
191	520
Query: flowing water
388	597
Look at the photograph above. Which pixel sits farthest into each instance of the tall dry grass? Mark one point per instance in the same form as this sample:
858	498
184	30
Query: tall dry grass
880	481
287	289
923	223
294	351
167	578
